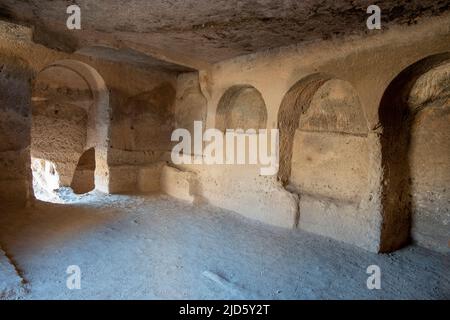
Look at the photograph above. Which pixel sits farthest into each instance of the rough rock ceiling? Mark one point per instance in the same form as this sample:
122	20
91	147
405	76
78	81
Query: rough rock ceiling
196	33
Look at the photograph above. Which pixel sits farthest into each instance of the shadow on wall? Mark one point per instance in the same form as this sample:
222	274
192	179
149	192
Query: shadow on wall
415	116
47	183
84	178
15	110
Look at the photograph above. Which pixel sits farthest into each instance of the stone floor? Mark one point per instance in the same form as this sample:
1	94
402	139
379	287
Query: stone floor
155	247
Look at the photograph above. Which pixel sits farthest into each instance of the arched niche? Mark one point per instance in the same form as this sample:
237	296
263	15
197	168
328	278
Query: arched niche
415	115
323	145
71	109
241	107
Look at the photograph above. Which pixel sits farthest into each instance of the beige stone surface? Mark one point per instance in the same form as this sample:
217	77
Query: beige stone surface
15	124
330	164
198	33
324	96
177	183
149	177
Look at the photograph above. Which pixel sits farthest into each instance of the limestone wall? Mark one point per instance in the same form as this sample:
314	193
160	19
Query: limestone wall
120	117
415	115
15	124
430	157
61	102
341	188
331	101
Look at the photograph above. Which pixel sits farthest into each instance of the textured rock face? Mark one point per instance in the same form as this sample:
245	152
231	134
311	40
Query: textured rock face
196	31
430	177
330	152
15	123
416	153
428	152
325	157
61	102
351	168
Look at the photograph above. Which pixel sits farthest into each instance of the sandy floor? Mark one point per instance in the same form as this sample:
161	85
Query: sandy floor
154	247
